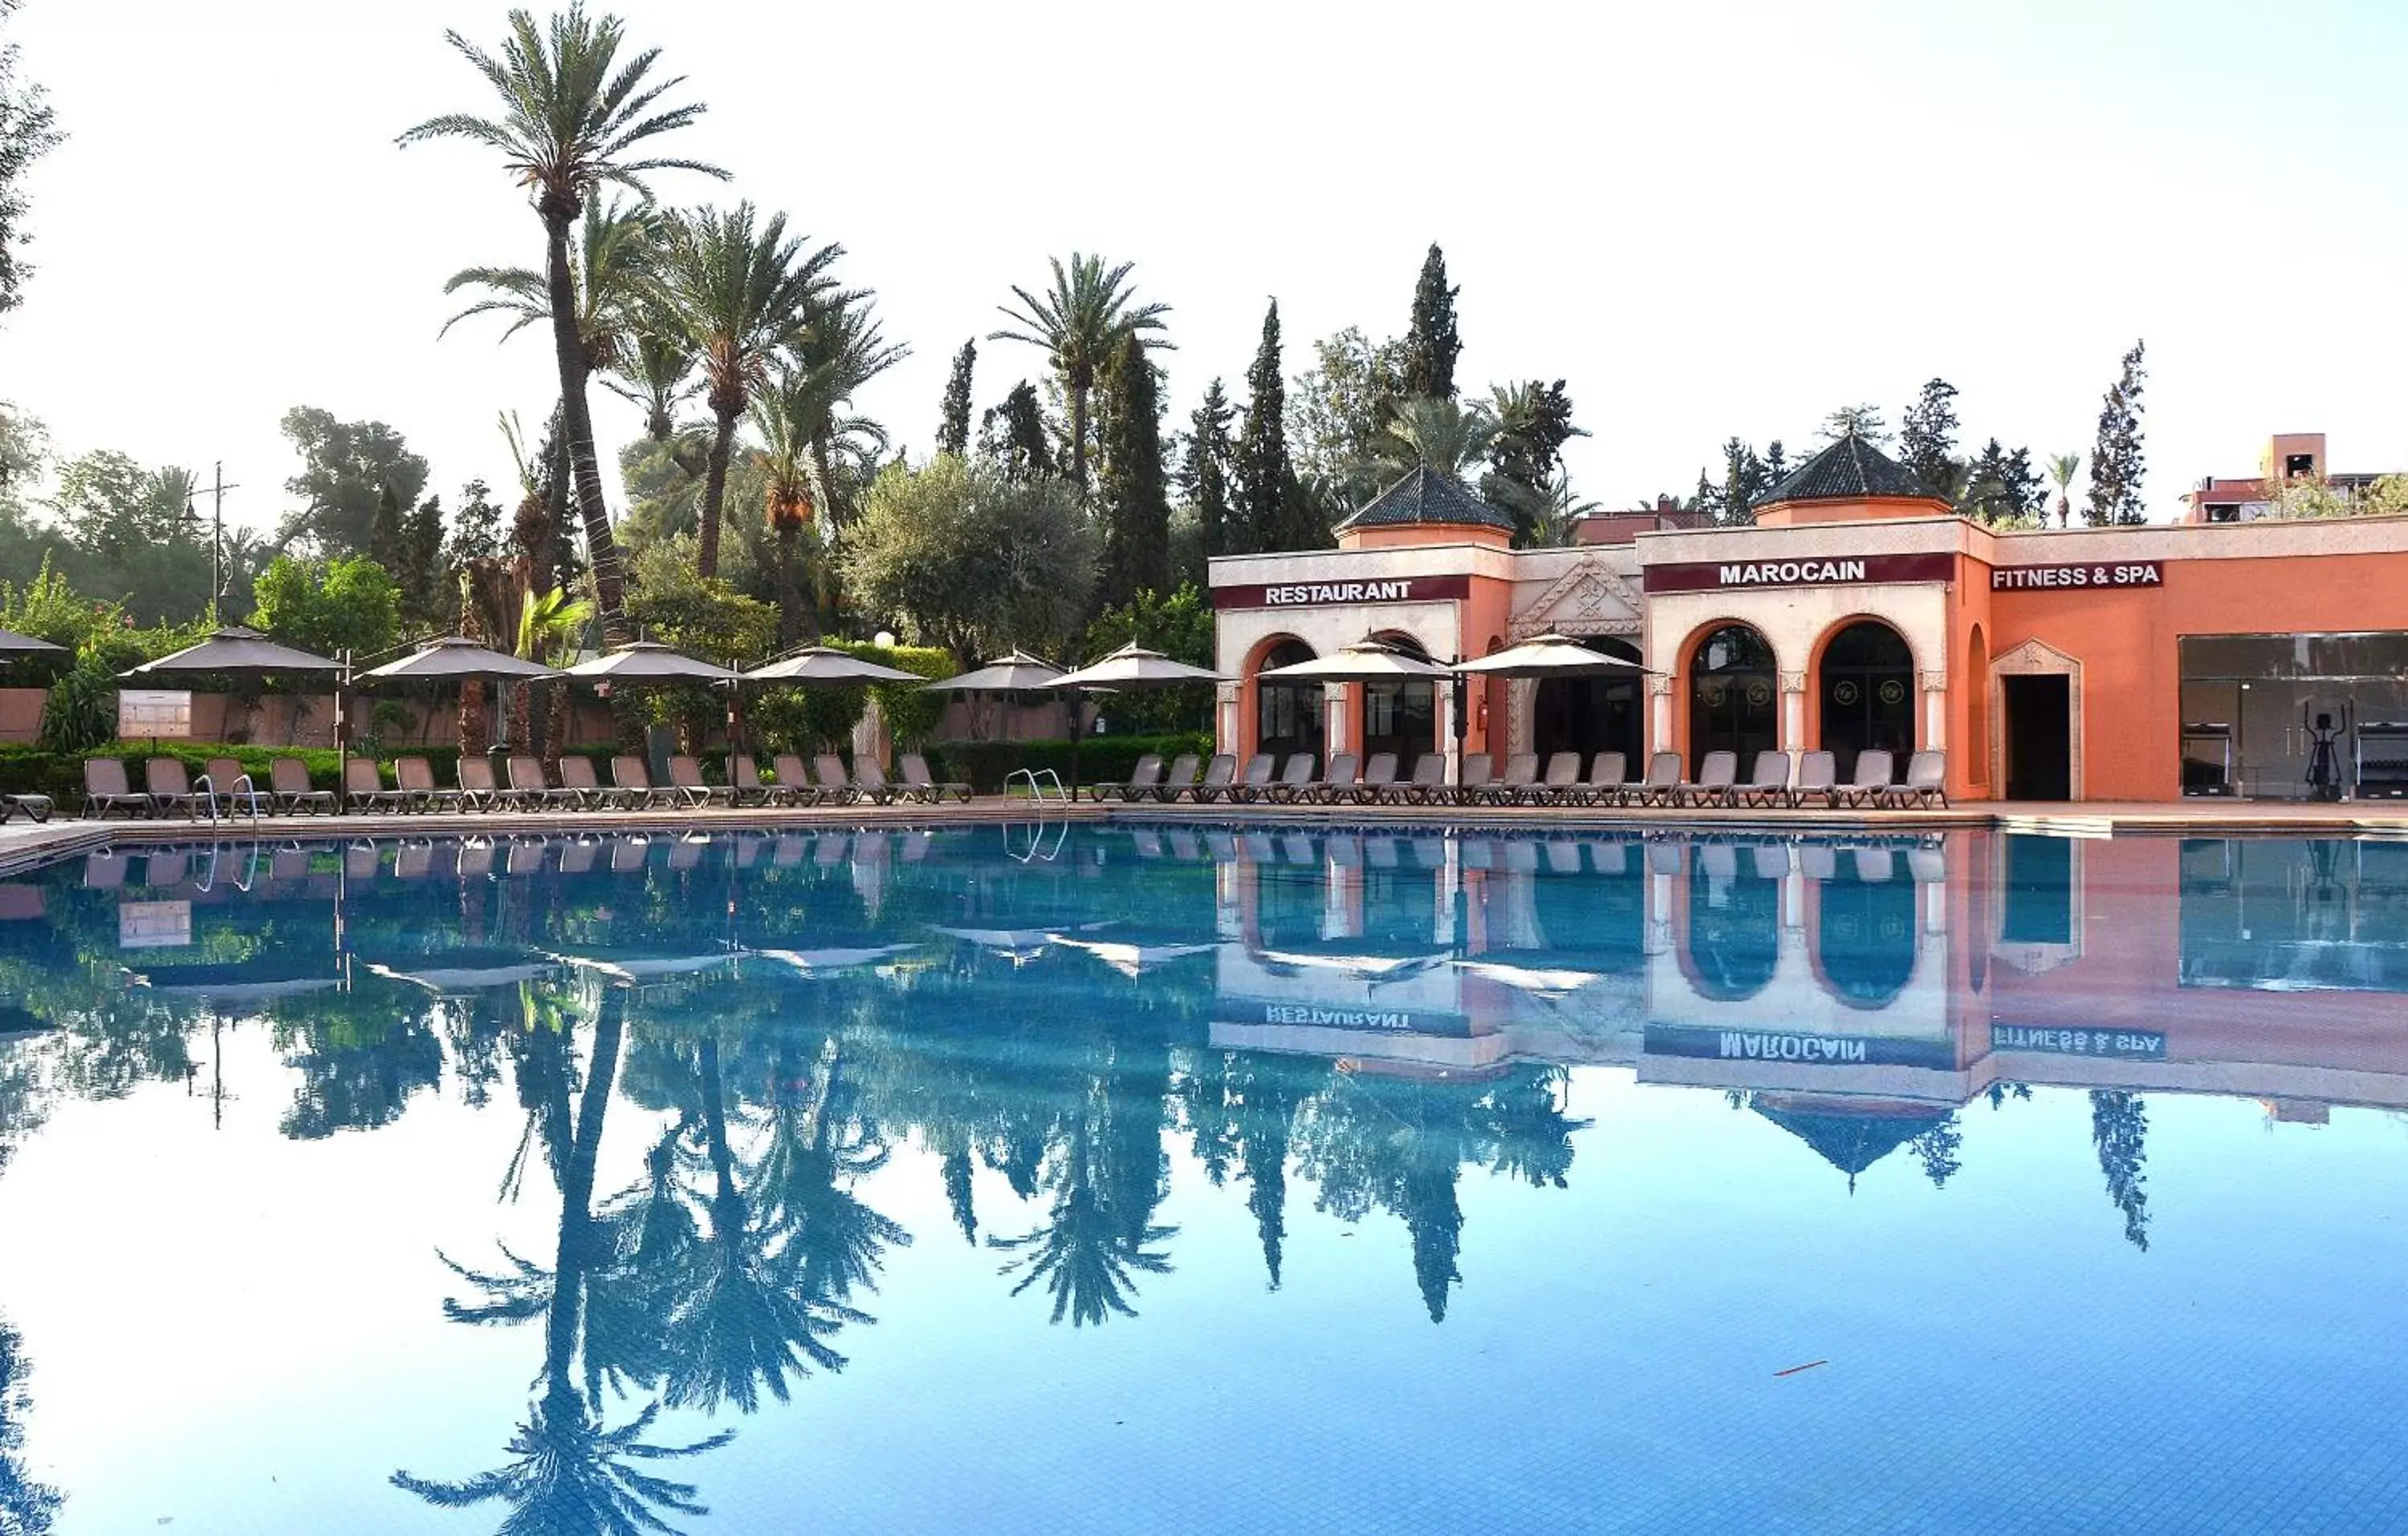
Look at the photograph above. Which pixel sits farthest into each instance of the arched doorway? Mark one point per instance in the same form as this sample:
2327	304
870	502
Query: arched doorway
1287	715
1865	937
1868	685
1399	717
1734	939
1734	705
1592	714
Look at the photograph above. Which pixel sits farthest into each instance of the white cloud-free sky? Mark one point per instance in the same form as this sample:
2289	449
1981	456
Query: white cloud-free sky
1710	218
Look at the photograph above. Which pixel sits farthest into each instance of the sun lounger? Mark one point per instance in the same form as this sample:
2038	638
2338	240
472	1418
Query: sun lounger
1255	782
478	790
1661	784
1428	784
1344	780
921	785
1479	773
579	785
631	785
1875	768
1927	782
1769	784
794	781
233	788
1143	780
1521	776
1607	782
1716	778
745	785
869	782
529	790
685	777
834	788
1818	777
169	788
1557	784
35	805
364	787
1179	781
1295	782
415	777
627	855
1378	777
289	788
1219	783
104	789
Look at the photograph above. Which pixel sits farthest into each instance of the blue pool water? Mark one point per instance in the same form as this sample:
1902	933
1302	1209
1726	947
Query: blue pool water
1148	1178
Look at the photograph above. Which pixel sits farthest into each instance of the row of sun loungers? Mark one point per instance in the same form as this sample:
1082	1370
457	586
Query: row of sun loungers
1779	779
224	788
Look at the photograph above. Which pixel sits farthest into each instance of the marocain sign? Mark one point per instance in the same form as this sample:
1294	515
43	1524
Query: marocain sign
2125	573
1813	1049
2116	1044
1349	594
1813	571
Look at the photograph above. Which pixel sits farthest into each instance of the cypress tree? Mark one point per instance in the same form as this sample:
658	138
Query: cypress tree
1431	343
2118	462
1269	506
1013	435
1776	464
1926	443
1206	474
1136	505
384	534
954	429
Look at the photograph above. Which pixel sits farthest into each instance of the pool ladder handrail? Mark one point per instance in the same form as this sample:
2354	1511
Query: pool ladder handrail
205	792
1036	791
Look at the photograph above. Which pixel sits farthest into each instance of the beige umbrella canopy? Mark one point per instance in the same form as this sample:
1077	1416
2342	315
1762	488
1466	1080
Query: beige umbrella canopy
235	648
1135	667
1017	673
14	644
1365	661
649	661
1549	655
824	664
455	659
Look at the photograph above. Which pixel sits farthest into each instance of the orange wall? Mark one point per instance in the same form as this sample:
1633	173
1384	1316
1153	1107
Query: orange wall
1790	514
2127	642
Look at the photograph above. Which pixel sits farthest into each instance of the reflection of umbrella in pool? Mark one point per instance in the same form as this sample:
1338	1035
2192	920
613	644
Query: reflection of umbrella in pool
1537	981
263	977
1132	959
1371	968
628	969
1019	945
822	962
463	971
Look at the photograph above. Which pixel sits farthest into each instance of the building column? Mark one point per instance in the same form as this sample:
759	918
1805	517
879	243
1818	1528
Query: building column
1793	711
1660	715
1225	718
1333	721
1935	712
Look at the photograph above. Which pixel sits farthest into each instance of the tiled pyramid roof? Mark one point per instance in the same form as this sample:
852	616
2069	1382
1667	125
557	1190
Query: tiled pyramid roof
1428	495
1850	469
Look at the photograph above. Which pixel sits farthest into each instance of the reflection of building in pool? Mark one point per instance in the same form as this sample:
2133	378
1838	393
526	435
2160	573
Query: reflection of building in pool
1890	982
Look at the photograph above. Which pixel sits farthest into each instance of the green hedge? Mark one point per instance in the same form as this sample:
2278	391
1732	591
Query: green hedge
1102	759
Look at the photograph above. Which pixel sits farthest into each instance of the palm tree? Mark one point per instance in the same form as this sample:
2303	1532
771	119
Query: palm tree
737	289
656	372
1444	435
1554	511
1083	322
844	343
549	621
615	247
572	117
2062	467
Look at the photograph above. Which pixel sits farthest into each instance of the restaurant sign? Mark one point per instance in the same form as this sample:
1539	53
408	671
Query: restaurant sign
2116	1044
1816	572
1395	589
1372	1020
1810	1048
2128	573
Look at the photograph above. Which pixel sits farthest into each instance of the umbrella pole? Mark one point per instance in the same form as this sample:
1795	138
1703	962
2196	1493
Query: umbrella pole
342	760
1077	729
1455	706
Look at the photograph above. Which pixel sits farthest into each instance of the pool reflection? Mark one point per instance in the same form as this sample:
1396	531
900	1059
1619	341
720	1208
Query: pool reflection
1361	1015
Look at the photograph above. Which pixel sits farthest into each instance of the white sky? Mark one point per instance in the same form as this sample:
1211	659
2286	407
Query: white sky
1708	218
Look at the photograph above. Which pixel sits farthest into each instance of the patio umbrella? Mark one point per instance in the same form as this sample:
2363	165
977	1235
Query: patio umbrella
456	659
1365	661
12	643
235	650
1017	673
1130	667
825	665
1548	656
649	661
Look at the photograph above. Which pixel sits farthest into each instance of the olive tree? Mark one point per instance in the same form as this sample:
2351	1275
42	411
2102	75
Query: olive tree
967	559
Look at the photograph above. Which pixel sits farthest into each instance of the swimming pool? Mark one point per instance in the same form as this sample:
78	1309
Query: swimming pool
1127	1178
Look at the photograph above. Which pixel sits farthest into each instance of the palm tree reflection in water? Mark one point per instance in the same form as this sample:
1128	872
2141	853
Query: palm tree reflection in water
26	1506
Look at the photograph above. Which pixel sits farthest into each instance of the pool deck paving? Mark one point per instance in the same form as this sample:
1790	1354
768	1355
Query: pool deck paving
24	845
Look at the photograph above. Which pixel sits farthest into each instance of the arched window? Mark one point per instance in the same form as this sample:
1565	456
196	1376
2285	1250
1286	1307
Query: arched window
1865	940
1867	686
1977	709
1591	714
1399	717
1734	926
1287	715
1734	700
